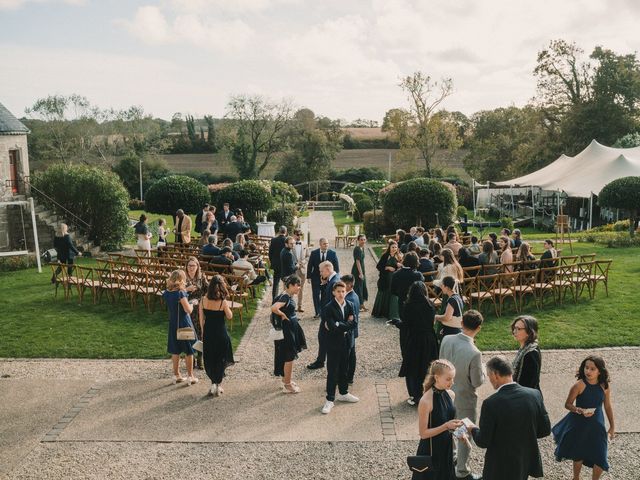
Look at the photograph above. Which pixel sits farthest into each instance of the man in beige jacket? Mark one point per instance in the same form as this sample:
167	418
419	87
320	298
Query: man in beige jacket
182	229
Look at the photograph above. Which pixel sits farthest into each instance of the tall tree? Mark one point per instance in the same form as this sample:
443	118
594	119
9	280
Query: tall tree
211	134
260	132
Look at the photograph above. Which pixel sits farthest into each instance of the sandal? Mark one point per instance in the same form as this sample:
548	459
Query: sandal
290	388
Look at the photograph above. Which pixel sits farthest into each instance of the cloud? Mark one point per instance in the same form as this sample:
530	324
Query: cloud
151	25
16	4
227	6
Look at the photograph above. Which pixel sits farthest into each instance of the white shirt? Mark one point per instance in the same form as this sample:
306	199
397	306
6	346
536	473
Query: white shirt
342	307
298	249
247	269
325	255
498	389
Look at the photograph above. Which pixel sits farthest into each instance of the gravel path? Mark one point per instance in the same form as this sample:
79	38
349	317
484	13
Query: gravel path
378	359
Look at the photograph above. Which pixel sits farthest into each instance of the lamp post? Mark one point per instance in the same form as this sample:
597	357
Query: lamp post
140	165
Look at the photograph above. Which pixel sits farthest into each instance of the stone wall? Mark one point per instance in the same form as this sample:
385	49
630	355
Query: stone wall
12	142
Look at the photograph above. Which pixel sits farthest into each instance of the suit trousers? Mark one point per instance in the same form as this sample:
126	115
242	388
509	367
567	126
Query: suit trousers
322	344
276	282
301	273
462	468
337	370
352	363
315	294
414	387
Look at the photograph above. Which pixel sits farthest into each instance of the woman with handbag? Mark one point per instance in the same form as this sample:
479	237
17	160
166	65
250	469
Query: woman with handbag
181	334
283	315
216	350
436	417
196	287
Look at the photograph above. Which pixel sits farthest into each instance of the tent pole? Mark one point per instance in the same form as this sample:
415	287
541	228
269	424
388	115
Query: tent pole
473	192
513	207
558	198
590	210
533	208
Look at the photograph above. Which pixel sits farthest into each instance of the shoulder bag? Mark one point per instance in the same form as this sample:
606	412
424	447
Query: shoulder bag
275	332
422	463
184	333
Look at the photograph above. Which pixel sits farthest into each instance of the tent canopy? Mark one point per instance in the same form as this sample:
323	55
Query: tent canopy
587	172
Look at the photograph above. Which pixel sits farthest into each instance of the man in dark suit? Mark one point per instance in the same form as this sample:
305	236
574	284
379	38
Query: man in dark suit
425	264
319	255
224	217
225	257
329	278
233	228
511	422
287	259
352	297
338	319
210	249
200	218
275	248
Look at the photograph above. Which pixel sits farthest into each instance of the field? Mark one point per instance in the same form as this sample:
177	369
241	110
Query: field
42	326
219	163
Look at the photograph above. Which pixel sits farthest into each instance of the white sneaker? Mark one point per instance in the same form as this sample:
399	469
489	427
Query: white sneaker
411	401
328	405
192	380
214	390
347	397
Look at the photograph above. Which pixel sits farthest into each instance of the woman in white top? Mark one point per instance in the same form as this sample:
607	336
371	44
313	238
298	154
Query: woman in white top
449	268
162	233
506	256
143	234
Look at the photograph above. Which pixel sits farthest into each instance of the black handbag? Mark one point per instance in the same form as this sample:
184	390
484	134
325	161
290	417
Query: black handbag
422	463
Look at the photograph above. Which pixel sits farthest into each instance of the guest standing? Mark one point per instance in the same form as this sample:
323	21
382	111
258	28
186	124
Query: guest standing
462	352
351	296
581	436
528	361
328	278
201	217
511	422
143	234
217	351
317	257
195	286
182	230
421	347
358	271
287	349
176	299
287	259
451	319
224	217
436	421
275	248
66	251
162	233
301	254
383	297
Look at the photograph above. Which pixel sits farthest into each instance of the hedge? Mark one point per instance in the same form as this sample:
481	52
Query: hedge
381	226
254	197
421	201
623	193
363	204
174	192
284	216
95	195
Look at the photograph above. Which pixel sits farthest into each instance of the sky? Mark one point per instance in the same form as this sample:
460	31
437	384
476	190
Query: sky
342	59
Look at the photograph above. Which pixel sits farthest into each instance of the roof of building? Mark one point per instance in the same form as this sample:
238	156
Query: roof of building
9	124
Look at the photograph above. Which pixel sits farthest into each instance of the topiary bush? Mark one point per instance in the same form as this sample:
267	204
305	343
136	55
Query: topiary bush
282	189
421	201
283	216
174	192
623	193
254	197
367	188
461	211
95	195
363	204
506	222
378	226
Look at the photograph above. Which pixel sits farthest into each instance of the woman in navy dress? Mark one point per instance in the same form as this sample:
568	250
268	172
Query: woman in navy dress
581	435
436	416
294	341
177	300
216	349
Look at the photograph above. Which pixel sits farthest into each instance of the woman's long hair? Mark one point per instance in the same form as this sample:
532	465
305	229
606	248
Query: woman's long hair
391	242
198	271
217	289
418	292
524	252
61	230
450	259
177	280
603	373
437	367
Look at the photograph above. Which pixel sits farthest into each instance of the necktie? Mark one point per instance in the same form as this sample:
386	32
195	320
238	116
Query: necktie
323	257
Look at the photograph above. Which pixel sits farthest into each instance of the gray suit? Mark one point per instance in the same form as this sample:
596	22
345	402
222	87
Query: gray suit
464	355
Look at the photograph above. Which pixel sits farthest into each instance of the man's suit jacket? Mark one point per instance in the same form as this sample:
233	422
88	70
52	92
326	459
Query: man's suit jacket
304	256
326	290
185	231
232	230
210	250
353	298
313	267
275	248
339	329
460	350
223	219
511	422
200	217
287	263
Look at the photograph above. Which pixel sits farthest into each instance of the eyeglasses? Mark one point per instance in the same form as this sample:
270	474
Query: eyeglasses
517	329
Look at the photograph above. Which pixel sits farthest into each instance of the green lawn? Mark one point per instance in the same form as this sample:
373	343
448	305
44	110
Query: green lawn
38	326
153	223
601	322
341	218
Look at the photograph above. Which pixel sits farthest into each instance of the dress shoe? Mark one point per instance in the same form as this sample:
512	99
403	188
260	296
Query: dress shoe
315	365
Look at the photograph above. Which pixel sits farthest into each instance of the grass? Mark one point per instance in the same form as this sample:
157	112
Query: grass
341	218
153	223
601	322
38	326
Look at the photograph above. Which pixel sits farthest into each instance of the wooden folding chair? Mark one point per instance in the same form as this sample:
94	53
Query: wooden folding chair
527	286
87	280
472	271
564	282
581	278
486	286
351	239
601	274
545	284
569	260
507	284
588	257
342	238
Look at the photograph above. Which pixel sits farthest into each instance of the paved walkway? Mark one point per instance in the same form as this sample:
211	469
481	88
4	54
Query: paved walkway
123	419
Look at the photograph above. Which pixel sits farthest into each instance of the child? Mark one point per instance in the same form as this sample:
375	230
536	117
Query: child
351	296
581	435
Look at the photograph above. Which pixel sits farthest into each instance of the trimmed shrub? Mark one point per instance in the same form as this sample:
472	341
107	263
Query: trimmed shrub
254	197
623	193
284	216
214	191
174	192
19	262
461	211
420	201
465	195
506	222
280	189
95	195
357	175
366	188
381	225
610	239
363	204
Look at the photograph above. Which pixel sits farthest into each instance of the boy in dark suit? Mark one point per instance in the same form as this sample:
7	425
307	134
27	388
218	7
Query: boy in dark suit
319	255
338	319
352	297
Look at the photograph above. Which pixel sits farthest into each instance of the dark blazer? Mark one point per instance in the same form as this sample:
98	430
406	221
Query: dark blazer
511	422
199	221
223	219
529	375
426	266
221	260
275	248
339	329
313	267
287	262
233	229
326	290
65	248
401	281
210	250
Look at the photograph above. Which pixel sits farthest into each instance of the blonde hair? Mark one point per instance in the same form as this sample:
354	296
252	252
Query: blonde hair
177	280
437	367
61	230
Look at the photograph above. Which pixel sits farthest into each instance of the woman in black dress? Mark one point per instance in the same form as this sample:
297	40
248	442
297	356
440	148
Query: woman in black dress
436	416
528	361
196	287
287	349
421	344
216	349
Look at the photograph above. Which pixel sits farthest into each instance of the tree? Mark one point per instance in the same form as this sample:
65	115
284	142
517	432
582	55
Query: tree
421	201
628	141
260	132
128	169
211	134
423	127
623	193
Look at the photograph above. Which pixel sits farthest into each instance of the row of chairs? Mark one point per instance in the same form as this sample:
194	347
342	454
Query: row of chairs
538	285
508	267
348	236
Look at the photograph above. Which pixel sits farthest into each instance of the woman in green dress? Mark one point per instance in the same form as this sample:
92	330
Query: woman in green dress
383	297
360	285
